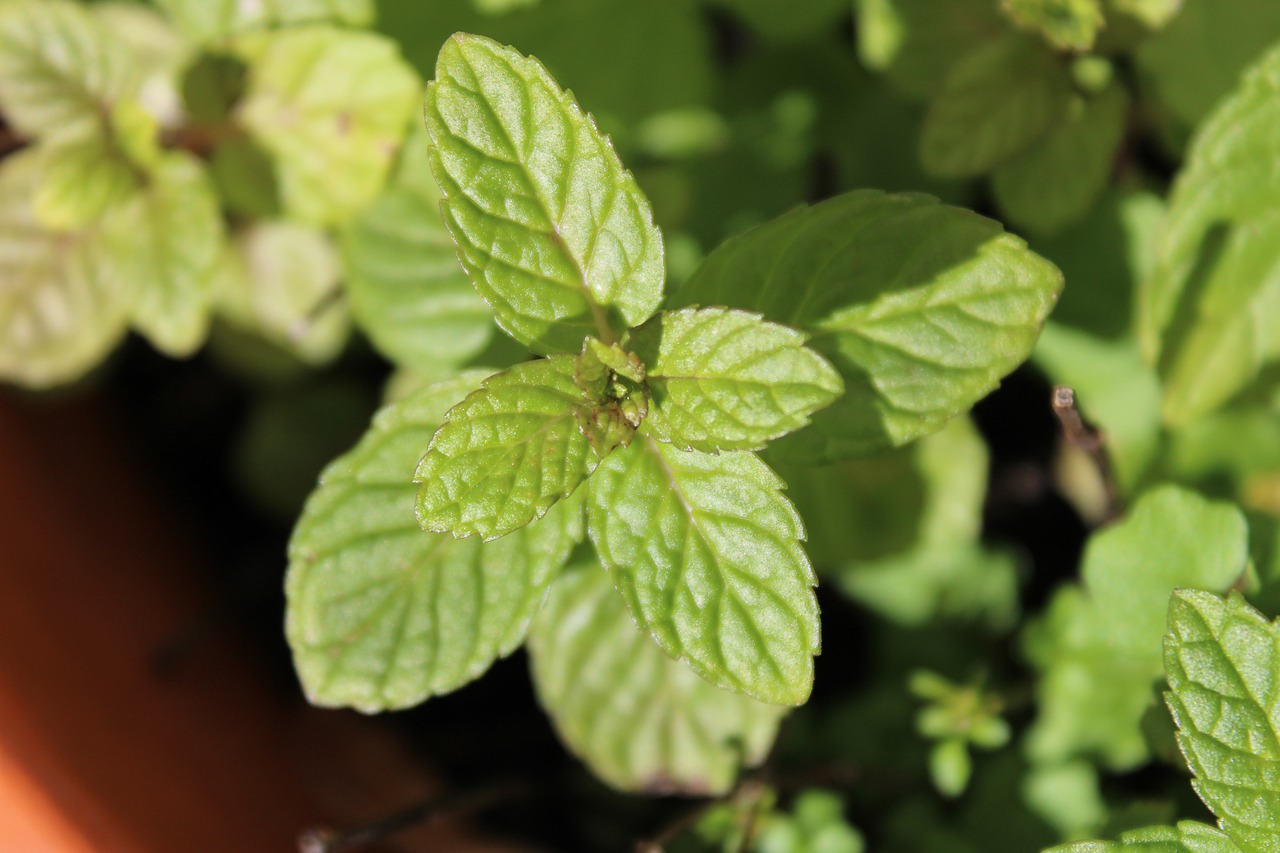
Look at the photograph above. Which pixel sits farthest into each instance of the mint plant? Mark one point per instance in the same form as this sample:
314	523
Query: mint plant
693	372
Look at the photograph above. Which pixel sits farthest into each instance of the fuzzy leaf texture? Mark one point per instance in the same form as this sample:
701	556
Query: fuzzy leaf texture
382	615
331	106
64	305
1099	647
1222	659
62	71
507	452
211	20
640	720
921	307
994	105
555	234
706	551
722	379
1186	837
406	288
1210	312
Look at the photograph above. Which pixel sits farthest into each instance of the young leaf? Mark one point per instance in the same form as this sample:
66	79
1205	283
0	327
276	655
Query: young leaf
722	379
406	289
82	179
211	20
1056	182
1211	309
706	551
555	234
62	70
640	720
1186	837
507	452
921	307
1099	647
382	615
916	42
167	240
994	105
64	304
331	106
1065	24
1222	659
1154	14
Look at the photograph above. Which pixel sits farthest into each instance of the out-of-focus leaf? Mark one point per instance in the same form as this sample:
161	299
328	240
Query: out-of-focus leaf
916	42
640	720
1065	24
788	22
81	179
212	20
331	106
994	105
1186	837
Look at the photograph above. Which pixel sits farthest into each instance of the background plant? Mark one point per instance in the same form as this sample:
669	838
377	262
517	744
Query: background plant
253	183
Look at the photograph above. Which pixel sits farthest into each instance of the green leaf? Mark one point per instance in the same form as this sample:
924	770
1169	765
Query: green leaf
62	70
1222	659
507	452
1186	837
994	105
167	241
722	379
212	20
640	720
1056	182
921	307
331	106
382	615
63	305
1065	24
705	550
1199	56
1099	646
281	279
788	22
82	179
916	42
1154	14
1211	309
555	234
407	291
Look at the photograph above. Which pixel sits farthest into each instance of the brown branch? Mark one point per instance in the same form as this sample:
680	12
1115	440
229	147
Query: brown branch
1079	434
322	840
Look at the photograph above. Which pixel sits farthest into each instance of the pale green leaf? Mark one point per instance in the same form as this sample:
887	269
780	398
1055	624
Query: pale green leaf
640	720
994	105
507	452
167	241
921	307
1199	56
382	615
1099	648
82	178
706	551
555	234
1210	311
61	69
1222	659
281	279
1186	837
331	106
407	291
1065	24
212	20
721	379
160	52
1154	14
63	305
916	42
1055	183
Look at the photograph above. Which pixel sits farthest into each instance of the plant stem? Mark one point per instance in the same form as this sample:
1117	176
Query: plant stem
1076	432
322	840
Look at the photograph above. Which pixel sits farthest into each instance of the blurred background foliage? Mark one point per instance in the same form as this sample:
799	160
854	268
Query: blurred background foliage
244	185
